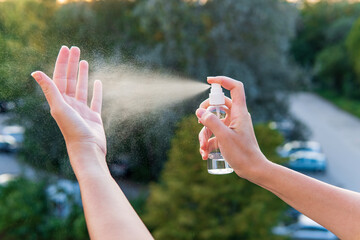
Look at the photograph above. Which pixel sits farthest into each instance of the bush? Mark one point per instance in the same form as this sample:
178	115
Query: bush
189	203
27	213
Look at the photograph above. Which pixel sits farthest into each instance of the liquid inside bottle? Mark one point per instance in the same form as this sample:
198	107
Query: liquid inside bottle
216	162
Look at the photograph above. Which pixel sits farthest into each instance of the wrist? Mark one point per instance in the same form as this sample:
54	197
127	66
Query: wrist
87	159
77	148
263	173
257	170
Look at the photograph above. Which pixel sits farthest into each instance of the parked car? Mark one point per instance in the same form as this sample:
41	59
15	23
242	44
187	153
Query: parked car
5	178
15	131
292	214
8	143
304	229
307	161
295	146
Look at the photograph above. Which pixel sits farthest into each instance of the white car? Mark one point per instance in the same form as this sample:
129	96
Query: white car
304	229
15	131
295	146
307	161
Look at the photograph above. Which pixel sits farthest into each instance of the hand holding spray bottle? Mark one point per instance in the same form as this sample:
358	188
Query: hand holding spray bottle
216	162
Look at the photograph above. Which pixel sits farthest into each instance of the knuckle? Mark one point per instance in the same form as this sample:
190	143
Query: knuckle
54	112
208	117
240	85
45	88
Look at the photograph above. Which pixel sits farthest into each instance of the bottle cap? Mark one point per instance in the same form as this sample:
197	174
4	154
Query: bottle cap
216	95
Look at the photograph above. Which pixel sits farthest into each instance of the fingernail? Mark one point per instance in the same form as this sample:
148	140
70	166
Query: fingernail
36	75
74	48
200	112
84	62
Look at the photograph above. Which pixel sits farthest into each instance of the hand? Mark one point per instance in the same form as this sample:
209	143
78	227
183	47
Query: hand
235	135
67	95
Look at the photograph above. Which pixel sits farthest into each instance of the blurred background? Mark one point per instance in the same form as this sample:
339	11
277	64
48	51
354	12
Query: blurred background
299	61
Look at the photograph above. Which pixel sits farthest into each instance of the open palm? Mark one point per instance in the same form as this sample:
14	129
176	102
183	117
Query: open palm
67	96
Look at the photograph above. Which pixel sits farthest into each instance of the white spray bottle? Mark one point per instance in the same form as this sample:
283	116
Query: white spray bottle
216	162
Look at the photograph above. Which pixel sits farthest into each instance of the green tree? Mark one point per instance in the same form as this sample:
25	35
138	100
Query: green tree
333	70
246	40
320	47
353	46
189	203
320	25
21	44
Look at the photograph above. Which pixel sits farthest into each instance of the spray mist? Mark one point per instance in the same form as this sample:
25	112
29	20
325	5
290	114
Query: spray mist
216	162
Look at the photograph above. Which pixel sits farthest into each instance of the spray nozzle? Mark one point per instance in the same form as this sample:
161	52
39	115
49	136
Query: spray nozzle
216	95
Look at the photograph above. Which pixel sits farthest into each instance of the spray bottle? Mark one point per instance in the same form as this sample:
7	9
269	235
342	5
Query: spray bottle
216	162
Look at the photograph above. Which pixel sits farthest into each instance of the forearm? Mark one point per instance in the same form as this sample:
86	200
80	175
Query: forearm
336	209
108	213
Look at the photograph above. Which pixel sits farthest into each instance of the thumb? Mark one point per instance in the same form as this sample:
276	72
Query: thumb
51	92
212	122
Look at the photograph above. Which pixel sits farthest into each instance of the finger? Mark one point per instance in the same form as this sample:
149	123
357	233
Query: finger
72	71
216	126
96	101
60	70
204	136
50	90
212	145
82	83
237	93
205	104
202	154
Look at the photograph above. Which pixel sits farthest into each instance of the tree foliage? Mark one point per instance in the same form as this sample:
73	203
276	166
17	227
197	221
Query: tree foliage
27	213
326	43
22	44
189	203
353	46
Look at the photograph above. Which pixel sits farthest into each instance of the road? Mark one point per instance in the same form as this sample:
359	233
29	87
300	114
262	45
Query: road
339	134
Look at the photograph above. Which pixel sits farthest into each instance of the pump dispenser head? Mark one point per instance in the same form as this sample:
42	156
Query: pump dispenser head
216	95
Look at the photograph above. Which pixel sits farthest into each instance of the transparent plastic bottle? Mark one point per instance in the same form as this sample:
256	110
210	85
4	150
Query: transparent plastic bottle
216	162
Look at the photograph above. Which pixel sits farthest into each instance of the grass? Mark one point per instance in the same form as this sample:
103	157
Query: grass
351	106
